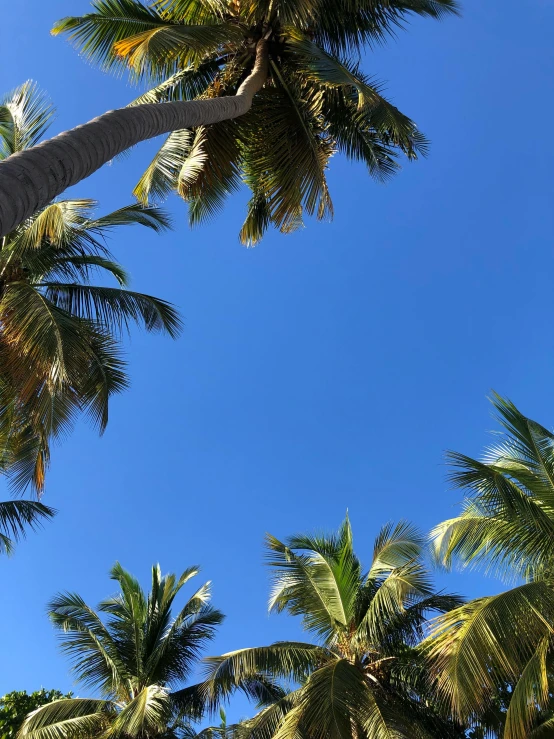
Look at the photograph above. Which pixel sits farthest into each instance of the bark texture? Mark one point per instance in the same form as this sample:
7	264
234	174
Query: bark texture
31	179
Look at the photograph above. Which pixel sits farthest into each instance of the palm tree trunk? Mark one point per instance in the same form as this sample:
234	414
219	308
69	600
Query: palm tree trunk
31	179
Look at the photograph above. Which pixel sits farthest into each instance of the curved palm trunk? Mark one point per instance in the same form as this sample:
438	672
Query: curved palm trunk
31	179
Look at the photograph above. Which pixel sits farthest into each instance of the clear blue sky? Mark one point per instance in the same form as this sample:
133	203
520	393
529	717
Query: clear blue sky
319	371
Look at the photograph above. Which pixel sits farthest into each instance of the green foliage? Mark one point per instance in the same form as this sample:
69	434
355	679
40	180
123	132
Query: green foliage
506	526
15	706
137	655
364	676
60	352
316	101
16	517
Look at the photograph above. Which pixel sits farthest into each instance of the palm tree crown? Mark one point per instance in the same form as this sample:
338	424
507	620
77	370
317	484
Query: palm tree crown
136	654
315	100
507	526
363	677
59	346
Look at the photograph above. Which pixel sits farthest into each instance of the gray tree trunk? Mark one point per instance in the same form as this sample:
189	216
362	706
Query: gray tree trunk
31	179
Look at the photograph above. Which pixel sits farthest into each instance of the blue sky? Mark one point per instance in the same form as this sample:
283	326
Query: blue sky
317	372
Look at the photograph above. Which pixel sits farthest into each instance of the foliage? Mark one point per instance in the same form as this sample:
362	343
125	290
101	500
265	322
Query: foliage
15	706
136	655
60	352
362	676
16	517
316	100
507	527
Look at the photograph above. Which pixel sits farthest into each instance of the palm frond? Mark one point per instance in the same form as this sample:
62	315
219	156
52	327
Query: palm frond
19	516
25	115
161	175
147	714
530	695
113	307
68	718
210	170
288	660
474	647
166	48
185	84
112	21
363	22
395	546
93	651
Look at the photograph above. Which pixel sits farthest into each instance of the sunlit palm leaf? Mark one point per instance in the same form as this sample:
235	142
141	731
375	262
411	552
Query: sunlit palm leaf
25	115
68	718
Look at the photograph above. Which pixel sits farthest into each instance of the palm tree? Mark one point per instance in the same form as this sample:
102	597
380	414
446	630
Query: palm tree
136	655
16	516
503	642
276	76
59	346
363	678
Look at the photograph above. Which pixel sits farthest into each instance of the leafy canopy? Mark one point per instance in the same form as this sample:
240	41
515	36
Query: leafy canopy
15	706
137	653
60	349
362	677
316	100
506	527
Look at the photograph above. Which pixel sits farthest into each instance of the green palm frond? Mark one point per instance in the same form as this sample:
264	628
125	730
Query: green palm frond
114	307
335	697
69	718
287	660
192	11
474	647
258	220
318	588
395	546
25	115
165	49
90	646
154	218
285	155
105	376
46	335
76	268
346	30
266	723
531	693
210	170
57	224
112	21
19	516
161	176
185	84
147	714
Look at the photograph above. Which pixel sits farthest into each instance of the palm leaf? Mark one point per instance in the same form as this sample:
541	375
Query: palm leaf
19	516
113	307
25	115
112	21
68	718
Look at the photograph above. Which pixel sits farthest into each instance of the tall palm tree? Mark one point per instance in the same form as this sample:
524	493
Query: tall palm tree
277	77
506	527
136	654
363	677
59	346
